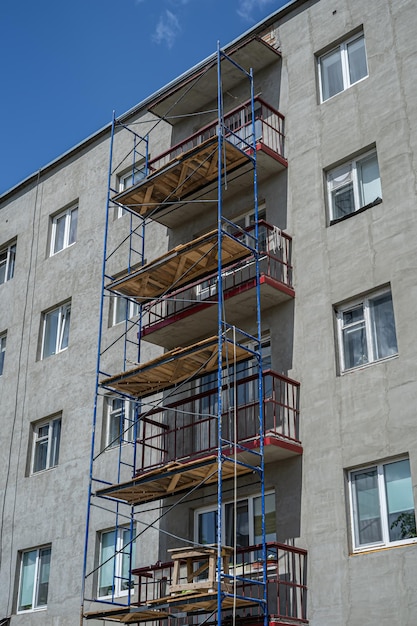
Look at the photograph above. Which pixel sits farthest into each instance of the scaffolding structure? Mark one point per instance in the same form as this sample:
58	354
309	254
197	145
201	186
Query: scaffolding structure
167	446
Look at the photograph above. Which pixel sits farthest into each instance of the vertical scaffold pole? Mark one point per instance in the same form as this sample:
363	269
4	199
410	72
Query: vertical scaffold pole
259	337
94	424
220	332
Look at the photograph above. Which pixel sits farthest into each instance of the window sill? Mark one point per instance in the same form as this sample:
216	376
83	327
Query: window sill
35	610
361	210
43	471
70	245
366	365
346	88
384	548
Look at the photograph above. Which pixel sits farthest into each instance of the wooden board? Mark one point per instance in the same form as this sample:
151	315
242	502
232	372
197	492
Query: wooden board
181	176
179	266
174	367
172	479
169	606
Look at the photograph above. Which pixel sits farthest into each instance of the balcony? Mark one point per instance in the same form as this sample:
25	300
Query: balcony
178	442
163	321
286	576
182	172
170	434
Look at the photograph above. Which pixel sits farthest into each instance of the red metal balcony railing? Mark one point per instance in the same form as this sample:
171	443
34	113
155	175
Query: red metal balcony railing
269	132
188	428
286	574
275	262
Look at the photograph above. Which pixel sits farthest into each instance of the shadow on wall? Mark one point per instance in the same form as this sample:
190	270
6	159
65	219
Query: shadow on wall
288	476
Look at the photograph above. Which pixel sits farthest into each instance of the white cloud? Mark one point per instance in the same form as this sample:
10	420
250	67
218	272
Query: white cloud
248	6
167	29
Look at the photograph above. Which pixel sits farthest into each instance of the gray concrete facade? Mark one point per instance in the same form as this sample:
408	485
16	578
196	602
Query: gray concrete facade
351	418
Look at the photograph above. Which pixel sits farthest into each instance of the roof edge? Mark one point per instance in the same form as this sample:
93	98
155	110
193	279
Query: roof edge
253	31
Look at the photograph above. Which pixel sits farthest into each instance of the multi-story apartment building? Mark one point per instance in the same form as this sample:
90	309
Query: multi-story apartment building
207	343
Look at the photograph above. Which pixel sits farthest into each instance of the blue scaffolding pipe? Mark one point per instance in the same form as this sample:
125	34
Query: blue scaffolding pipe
259	330
219	334
251	242
223	326
120	518
93	430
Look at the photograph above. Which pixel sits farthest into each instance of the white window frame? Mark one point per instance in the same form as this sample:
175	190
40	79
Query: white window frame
342	48
382	505
38	554
47	432
7	261
123	309
62	335
3	341
369	327
125	415
351	171
69	238
251	517
128	179
121	550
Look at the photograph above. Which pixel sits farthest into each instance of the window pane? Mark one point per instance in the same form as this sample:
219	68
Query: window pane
12	256
3	264
115	420
383	326
331	74
369	181
66	314
242	524
126	567
27	580
59	233
354	346
41	455
120	309
2	352
107	563
51	330
353	315
56	439
357	60
207	527
341	186
134	309
368	522
43	583
73	226
400	503
343	201
270	525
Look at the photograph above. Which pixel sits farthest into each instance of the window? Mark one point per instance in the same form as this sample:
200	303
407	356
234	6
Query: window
55	330
120	421
129	179
7	262
3	338
46	440
64	230
123	309
366	330
34	579
382	505
343	66
353	185
248	522
115	567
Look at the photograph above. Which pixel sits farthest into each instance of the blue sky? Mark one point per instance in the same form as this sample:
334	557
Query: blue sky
65	66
